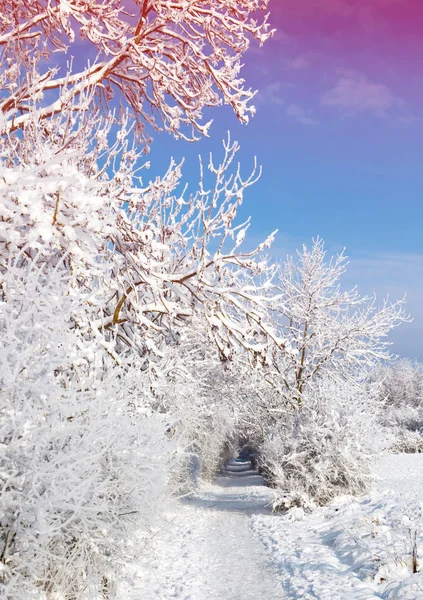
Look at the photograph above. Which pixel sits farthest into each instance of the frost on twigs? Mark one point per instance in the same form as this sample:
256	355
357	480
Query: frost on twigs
313	416
82	466
148	256
181	255
166	60
121	302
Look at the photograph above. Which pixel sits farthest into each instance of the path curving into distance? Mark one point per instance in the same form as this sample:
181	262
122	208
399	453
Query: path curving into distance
207	551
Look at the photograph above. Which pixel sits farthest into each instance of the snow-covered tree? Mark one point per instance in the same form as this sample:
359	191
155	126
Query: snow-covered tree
100	278
311	412
166	60
108	281
84	463
147	256
325	450
325	328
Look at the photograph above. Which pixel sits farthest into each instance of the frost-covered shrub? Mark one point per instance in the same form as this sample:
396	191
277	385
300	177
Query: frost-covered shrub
213	449
197	397
400	396
324	450
210	448
82	465
401	384
407	442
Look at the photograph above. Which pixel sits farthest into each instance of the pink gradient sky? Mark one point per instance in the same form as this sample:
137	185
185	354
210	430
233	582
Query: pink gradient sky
353	57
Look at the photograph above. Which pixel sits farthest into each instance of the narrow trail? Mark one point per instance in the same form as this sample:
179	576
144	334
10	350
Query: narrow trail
237	567
208	551
224	543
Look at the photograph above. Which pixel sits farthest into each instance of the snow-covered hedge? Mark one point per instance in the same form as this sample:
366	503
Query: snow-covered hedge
401	400
82	465
324	450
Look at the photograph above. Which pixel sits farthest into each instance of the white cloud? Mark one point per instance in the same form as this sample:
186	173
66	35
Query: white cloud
301	115
295	64
271	94
354	93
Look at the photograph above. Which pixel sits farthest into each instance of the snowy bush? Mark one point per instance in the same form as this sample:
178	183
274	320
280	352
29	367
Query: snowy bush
324	450
196	395
400	396
82	465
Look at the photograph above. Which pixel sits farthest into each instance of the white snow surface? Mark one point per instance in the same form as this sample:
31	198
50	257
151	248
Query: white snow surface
224	543
206	550
356	548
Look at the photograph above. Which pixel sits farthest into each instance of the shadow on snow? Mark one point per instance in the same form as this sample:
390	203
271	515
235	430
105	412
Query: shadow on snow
236	474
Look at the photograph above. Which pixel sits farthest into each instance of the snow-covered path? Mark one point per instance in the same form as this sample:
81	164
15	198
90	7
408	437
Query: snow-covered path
207	550
225	544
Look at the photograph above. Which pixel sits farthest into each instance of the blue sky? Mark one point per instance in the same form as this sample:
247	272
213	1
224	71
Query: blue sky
339	133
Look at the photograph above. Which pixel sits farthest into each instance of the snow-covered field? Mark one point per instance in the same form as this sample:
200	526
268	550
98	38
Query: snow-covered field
355	548
225	544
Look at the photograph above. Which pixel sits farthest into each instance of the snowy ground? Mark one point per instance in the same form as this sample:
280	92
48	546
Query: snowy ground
206	550
225	544
357	548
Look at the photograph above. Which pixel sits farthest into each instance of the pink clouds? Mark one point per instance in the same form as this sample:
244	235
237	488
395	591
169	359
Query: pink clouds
354	93
359	59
